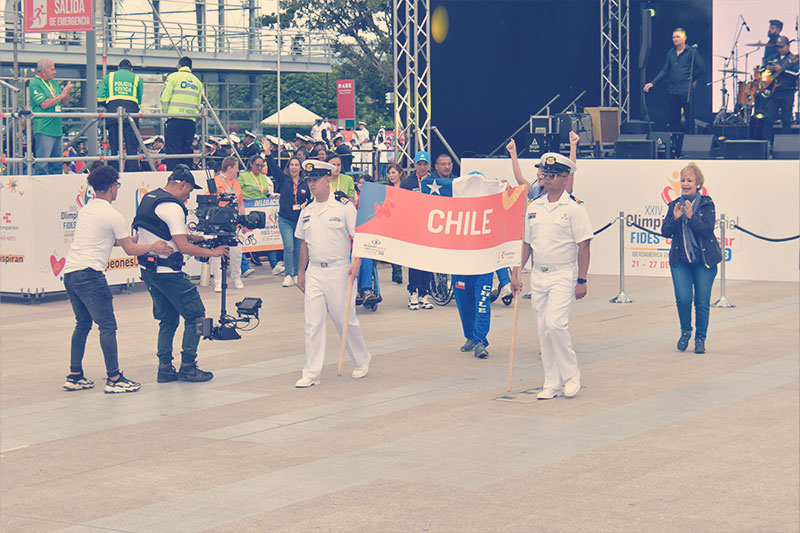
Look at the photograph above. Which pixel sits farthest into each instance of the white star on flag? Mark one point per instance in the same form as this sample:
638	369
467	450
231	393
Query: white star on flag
434	187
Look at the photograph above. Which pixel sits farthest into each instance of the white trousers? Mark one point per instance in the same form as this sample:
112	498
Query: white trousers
326	291
552	294
234	267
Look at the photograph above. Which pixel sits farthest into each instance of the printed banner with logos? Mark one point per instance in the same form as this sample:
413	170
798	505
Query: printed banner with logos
440	234
37	224
42	16
761	196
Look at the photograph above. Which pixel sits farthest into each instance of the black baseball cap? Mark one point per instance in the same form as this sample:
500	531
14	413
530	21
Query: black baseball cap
182	173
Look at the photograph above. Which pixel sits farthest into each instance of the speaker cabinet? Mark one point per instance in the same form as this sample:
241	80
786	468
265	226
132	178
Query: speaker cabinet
786	147
696	147
635	149
745	149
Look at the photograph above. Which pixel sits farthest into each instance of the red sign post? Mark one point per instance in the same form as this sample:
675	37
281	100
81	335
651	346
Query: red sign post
43	16
346	101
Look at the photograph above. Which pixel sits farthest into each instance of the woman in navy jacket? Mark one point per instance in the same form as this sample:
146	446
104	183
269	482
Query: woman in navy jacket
693	256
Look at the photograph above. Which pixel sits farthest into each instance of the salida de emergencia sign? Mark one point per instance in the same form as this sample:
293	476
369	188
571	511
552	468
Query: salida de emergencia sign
43	16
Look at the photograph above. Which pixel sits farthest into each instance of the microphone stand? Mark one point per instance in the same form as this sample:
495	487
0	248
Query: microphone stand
689	111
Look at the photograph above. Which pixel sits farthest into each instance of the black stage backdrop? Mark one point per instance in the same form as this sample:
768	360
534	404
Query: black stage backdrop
502	60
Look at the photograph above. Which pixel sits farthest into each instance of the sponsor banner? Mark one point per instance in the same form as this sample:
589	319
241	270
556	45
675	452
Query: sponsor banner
642	190
42	16
269	238
440	234
38	215
345	100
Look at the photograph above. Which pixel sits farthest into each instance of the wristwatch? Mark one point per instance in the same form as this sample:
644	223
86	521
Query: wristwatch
581	281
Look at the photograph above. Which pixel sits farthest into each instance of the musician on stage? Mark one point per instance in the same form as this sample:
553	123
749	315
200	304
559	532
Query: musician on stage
683	66
784	67
774	31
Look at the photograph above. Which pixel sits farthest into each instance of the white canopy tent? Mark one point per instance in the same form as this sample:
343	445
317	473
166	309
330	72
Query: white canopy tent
293	114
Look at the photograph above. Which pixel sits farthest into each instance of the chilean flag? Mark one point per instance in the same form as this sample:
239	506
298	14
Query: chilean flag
437	232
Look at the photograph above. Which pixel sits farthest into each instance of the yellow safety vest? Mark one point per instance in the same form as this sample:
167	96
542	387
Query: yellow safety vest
182	93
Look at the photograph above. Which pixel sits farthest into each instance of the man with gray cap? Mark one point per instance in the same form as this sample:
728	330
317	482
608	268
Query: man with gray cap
325	271
161	215
557	232
122	89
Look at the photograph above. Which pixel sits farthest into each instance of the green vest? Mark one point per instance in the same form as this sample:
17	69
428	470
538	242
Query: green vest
40	91
120	85
183	93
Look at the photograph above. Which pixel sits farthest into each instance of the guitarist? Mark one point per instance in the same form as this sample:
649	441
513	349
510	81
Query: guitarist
784	68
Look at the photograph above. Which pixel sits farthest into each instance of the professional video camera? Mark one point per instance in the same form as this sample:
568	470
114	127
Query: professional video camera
217	218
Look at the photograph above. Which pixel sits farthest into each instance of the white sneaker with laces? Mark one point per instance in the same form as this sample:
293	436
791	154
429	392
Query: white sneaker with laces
413	301
247	273
572	385
288	281
361	371
237	283
548	394
304	382
218	288
295	280
425	302
505	291
278	269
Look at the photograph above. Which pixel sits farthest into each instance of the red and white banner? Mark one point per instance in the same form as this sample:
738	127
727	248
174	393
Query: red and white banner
440	234
42	16
345	99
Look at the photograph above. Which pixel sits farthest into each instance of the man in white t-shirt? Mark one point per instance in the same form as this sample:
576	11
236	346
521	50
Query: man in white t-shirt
162	215
98	229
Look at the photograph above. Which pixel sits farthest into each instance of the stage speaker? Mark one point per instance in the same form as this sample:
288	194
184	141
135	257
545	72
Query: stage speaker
730	131
663	141
696	147
635	149
786	147
745	149
636	126
632	137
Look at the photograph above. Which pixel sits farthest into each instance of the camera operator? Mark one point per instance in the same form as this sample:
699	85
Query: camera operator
98	229
162	215
227	184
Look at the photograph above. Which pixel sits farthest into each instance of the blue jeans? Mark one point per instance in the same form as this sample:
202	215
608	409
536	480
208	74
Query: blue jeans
46	146
291	245
693	282
365	274
91	301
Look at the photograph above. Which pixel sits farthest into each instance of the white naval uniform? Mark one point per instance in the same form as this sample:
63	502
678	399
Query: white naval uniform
327	227
554	230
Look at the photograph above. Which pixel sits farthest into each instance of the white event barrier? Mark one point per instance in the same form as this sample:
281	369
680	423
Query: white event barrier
761	196
37	223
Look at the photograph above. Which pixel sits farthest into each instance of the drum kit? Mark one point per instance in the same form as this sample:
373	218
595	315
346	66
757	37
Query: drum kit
748	90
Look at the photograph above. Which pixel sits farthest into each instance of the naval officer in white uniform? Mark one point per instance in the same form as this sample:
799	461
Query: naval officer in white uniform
324	271
557	233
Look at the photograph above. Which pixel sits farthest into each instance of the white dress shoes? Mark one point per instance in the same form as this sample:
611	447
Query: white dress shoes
361	371
304	382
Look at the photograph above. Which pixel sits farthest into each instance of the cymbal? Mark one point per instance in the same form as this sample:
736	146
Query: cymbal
726	71
757	44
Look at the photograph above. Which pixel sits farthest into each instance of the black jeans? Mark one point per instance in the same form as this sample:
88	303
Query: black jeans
419	280
178	137
130	143
779	106
678	103
174	296
92	301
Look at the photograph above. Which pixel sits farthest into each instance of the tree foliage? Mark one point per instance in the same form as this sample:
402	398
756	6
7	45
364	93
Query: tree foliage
362	43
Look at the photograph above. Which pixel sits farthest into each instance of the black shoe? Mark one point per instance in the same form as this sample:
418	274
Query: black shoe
370	298
468	346
683	342
255	260
480	350
397	277
165	375
194	374
699	345
359	298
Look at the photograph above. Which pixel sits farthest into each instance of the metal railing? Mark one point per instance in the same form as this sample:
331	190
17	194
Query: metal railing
144	35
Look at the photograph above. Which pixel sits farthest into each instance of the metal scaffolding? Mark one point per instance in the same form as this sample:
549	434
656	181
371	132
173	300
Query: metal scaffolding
615	55
412	77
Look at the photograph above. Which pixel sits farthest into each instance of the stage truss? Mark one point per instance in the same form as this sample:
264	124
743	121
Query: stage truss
615	56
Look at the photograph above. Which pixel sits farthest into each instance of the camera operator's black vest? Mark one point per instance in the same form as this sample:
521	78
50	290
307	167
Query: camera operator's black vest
146	213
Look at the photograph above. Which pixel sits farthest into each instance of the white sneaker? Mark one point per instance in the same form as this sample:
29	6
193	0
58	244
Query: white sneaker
303	383
413	301
505	291
247	273
295	280
572	385
278	269
548	394
288	281
425	302
237	283
361	371
218	288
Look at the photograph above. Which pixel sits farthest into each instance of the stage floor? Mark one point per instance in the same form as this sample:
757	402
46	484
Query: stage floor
429	440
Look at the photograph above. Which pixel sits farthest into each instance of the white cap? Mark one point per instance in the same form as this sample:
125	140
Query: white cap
235	138
317	169
556	162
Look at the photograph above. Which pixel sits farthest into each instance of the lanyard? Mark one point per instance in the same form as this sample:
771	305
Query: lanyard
295	186
50	87
258	182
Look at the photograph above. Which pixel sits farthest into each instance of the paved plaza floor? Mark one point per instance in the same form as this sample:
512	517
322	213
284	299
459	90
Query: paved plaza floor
430	440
